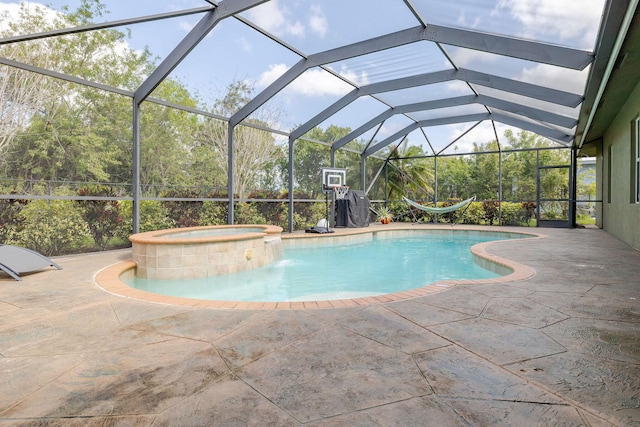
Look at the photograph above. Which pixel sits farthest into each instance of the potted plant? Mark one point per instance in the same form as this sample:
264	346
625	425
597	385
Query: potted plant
384	215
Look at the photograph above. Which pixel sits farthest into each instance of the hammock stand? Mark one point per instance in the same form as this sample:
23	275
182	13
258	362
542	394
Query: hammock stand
442	210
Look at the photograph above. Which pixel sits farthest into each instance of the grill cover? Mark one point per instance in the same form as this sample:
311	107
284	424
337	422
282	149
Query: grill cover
353	210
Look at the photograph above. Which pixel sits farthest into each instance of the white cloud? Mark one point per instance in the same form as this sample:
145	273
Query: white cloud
318	22
269	76
555	77
463	22
275	19
185	26
480	134
468	57
317	82
566	20
458	87
314	82
244	44
13	12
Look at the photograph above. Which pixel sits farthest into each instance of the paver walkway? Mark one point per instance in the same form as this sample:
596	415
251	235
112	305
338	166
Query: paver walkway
561	348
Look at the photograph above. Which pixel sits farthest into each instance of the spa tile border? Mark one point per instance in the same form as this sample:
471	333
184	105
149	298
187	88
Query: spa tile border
109	277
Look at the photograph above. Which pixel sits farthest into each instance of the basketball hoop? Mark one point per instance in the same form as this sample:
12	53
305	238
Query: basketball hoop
341	191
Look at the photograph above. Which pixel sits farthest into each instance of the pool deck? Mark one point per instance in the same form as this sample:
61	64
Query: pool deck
561	347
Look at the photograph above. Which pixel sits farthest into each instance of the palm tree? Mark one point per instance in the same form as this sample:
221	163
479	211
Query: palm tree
410	173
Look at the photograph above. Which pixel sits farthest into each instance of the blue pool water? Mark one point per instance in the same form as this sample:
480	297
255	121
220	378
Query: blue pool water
337	272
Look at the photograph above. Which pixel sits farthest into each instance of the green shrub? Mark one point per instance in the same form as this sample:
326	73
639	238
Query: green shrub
300	222
247	213
214	213
511	213
490	211
53	228
183	213
270	211
102	216
529	211
474	214
11	218
153	216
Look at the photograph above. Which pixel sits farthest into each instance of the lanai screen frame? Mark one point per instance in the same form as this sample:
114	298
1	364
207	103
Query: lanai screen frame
549	125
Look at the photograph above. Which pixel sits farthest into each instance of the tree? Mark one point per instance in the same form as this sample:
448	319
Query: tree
21	92
485	171
166	140
78	133
68	131
310	157
409	177
253	148
455	177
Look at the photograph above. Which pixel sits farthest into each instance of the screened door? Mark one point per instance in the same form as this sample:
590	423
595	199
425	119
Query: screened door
553	196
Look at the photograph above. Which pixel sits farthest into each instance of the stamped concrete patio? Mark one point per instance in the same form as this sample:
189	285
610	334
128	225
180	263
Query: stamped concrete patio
560	348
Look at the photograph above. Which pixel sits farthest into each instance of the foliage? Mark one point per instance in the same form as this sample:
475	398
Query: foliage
511	213
384	214
454	177
449	217
63	130
529	211
52	227
214	213
474	214
309	158
101	216
490	211
153	216
409	177
271	212
183	213
247	213
11	218
253	149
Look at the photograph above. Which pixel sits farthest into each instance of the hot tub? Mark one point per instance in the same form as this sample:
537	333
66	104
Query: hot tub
195	252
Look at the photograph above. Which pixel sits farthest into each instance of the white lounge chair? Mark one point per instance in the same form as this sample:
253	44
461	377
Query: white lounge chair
15	260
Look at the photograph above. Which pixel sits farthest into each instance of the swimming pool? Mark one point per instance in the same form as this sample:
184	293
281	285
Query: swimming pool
381	265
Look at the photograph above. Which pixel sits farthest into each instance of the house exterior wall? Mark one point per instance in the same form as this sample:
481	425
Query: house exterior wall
620	217
600	186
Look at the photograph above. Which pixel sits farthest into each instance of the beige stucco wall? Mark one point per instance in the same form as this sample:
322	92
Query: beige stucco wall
620	217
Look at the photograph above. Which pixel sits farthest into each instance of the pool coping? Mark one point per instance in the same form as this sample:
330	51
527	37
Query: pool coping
109	277
160	236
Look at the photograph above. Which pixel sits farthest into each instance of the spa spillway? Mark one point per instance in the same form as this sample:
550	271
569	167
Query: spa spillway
195	252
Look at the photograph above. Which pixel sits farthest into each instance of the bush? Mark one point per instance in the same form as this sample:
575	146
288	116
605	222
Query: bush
214	213
474	214
183	213
53	228
247	213
270	211
512	213
153	216
490	211
11	218
102	216
529	211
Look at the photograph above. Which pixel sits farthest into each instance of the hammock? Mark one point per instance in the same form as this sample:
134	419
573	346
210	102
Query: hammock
433	209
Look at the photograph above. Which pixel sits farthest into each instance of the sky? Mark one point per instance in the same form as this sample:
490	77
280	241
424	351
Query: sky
233	52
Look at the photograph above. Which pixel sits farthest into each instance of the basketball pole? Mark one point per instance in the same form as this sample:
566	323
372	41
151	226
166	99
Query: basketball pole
326	205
